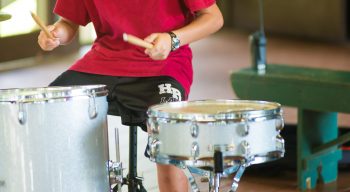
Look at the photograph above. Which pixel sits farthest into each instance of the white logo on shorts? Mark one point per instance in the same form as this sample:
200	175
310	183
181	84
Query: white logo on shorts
167	89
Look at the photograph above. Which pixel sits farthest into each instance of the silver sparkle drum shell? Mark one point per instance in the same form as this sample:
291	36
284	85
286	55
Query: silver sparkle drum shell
191	131
54	139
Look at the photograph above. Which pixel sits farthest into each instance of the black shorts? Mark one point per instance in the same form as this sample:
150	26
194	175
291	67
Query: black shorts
128	97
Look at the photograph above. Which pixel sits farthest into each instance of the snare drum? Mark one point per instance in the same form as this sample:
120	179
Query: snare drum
192	131
54	139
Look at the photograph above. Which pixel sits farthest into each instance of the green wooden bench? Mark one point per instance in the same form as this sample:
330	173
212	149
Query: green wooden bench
4	16
319	95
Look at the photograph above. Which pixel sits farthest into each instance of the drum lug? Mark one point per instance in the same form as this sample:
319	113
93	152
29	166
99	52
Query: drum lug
154	126
92	104
243	129
194	130
245	148
154	145
279	123
280	144
195	150
22	116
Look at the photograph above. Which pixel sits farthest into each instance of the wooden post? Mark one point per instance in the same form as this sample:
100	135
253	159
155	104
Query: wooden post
314	129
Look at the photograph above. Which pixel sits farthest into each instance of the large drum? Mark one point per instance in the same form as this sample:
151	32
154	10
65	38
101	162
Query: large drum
191	132
54	139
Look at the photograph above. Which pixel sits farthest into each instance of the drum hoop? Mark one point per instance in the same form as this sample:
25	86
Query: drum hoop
45	94
209	119
237	115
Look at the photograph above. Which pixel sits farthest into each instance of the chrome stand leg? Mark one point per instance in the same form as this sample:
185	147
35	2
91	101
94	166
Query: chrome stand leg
205	173
211	182
216	182
230	170
191	179
116	168
237	178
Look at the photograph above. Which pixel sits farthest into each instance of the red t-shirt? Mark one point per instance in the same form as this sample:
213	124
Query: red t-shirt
110	55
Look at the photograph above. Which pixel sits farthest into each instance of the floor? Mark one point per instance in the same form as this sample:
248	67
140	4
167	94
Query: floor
215	58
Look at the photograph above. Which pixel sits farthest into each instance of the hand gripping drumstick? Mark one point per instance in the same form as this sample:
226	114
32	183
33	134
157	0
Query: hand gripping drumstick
136	41
41	25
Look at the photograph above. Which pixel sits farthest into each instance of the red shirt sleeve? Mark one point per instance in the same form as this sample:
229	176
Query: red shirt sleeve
195	5
73	10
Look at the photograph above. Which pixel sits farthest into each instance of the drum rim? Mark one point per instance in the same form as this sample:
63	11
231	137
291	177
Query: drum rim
51	93
154	112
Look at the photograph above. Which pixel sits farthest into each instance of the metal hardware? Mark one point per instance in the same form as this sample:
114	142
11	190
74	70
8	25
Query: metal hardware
116	140
115	173
199	171
22	116
237	178
218	169
204	180
280	143
116	168
194	130
245	148
258	52
216	180
279	123
268	110
155	127
243	129
154	148
92	104
191	180
258	46
230	170
195	150
223	148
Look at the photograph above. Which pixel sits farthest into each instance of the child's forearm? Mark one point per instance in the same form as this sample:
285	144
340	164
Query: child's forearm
207	21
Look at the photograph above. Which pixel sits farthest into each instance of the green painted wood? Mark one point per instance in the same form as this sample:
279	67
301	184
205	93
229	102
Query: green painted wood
4	3
317	89
318	94
329	146
314	129
4	16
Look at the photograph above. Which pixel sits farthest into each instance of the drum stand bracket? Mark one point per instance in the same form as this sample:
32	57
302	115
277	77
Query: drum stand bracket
132	180
215	175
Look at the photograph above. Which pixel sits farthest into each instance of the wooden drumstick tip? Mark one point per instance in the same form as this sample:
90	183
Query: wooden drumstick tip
136	41
125	37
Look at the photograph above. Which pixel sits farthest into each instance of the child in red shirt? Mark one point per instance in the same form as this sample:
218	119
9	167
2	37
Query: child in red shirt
134	75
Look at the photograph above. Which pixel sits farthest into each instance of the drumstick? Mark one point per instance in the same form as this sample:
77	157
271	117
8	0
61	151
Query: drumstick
136	41
41	25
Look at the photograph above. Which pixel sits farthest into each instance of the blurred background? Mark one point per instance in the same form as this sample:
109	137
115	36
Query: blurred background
307	33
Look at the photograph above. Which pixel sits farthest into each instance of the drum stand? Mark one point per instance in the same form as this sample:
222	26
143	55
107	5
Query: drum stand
216	174
132	180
